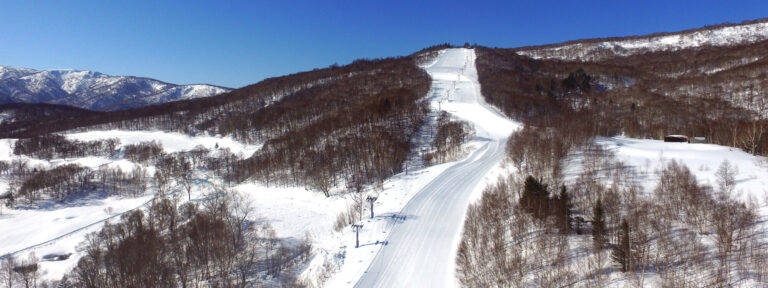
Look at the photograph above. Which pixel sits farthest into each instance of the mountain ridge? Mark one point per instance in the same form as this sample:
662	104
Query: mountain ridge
93	90
596	49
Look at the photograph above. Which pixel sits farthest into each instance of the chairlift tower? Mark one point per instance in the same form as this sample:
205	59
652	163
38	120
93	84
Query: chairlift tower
357	228
371	200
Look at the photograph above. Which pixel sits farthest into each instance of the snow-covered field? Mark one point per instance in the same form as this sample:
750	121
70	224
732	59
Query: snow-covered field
58	228
172	142
649	156
646	159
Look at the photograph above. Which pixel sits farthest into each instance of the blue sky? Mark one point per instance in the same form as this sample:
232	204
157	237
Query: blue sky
235	43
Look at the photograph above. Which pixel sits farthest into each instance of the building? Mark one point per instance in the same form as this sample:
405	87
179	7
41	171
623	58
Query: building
676	138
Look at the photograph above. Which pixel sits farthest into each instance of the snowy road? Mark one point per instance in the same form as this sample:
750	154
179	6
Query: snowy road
421	250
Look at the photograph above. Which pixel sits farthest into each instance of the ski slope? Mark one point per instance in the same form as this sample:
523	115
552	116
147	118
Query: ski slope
420	250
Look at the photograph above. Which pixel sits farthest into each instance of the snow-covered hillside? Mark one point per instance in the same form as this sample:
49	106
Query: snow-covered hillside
422	238
644	162
597	50
58	228
414	237
12	72
648	157
92	90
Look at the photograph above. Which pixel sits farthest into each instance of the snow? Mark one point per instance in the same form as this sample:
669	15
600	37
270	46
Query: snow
646	158
294	211
11	72
388	212
172	142
721	36
649	156
406	203
413	240
58	228
94	90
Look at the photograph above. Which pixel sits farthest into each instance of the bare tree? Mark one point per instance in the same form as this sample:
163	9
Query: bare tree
7	274
185	175
28	271
752	137
726	178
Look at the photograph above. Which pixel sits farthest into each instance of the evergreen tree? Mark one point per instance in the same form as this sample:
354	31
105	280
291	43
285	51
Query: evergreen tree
563	211
621	252
535	198
598	224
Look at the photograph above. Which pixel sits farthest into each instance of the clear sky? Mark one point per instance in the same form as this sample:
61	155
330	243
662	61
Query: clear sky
235	43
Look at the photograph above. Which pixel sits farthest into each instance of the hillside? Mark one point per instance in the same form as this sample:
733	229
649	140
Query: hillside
485	167
329	131
29	113
598	49
592	199
713	92
92	90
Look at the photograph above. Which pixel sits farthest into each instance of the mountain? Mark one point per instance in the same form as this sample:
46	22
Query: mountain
576	98
365	132
603	48
93	90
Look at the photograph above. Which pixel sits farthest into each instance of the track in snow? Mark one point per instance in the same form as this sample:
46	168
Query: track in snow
421	250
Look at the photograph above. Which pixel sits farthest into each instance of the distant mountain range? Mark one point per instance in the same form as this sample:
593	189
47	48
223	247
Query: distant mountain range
93	90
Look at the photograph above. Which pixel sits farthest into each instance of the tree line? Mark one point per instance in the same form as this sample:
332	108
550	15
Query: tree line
50	146
192	245
448	140
718	96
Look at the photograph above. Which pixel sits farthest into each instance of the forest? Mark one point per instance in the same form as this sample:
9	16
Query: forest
341	127
534	228
641	96
526	229
323	128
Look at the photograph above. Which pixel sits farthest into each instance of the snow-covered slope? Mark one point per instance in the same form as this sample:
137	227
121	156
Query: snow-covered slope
420	250
11	72
649	156
58	228
92	90
589	50
644	161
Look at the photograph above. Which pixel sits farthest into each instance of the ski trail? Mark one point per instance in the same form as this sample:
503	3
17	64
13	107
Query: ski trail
421	250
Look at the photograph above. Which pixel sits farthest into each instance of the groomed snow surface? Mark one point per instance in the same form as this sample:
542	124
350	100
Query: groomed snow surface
423	237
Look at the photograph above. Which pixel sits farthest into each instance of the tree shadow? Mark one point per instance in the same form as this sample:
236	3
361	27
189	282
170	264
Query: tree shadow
382	243
76	200
395	218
